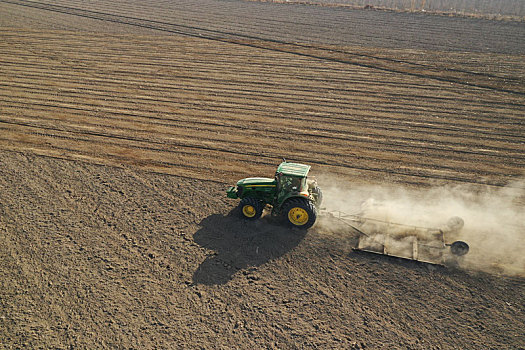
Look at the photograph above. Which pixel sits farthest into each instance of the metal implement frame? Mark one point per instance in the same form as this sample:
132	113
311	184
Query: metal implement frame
384	244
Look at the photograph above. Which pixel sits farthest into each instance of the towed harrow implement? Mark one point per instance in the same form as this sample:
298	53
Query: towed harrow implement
428	245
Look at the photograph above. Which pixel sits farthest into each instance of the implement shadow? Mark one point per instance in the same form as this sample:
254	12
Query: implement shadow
239	244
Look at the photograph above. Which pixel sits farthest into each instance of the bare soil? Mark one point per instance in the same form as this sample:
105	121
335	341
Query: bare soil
98	256
118	140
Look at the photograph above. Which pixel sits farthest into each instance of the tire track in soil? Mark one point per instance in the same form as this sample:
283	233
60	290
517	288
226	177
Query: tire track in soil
401	147
179	145
331	115
304	24
221	90
338	125
125	258
346	163
23	77
372	131
303	50
429	129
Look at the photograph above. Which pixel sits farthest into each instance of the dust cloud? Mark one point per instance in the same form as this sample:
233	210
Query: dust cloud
494	219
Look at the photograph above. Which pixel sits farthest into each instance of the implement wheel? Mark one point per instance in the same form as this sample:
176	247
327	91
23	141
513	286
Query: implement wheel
459	248
251	208
300	213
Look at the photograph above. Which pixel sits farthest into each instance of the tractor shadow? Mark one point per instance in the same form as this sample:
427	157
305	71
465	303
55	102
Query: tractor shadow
239	244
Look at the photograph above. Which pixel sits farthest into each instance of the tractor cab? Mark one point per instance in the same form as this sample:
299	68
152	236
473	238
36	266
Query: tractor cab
290	184
291	180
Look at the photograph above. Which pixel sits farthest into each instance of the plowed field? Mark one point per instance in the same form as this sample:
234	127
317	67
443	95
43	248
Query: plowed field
121	124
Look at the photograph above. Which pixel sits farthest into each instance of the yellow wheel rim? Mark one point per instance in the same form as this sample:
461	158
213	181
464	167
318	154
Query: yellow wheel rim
249	211
298	216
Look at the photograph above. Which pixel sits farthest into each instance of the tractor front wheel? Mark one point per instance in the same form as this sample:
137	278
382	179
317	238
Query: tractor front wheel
251	208
300	213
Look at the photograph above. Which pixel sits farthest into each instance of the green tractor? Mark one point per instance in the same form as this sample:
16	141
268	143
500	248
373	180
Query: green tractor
290	194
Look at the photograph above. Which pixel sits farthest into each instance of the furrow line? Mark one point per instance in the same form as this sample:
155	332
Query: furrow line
235	150
233	87
350	117
353	141
261	43
401	172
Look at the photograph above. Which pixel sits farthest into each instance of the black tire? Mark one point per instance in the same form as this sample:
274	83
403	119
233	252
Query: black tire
299	213
459	248
251	208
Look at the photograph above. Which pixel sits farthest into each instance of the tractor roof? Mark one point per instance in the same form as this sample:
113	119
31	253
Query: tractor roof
293	169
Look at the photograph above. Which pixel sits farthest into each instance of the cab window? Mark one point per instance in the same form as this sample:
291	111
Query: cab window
289	183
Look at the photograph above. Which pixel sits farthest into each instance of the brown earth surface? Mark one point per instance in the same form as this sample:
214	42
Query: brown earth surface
118	140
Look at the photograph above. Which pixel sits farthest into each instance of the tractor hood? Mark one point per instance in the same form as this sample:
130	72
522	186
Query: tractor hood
256	182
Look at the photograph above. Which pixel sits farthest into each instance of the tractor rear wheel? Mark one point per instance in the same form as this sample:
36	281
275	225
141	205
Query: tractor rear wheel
300	213
251	208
